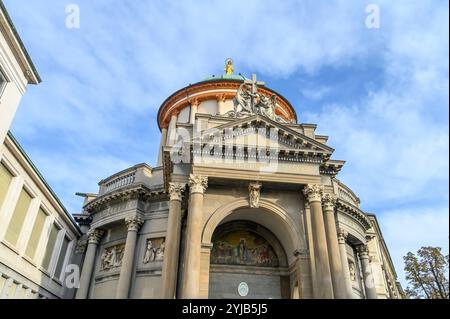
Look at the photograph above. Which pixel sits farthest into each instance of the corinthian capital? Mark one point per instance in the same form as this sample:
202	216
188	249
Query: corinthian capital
95	235
328	200
175	190
133	223
198	183
313	192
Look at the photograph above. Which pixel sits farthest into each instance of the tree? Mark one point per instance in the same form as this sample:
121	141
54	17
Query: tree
427	274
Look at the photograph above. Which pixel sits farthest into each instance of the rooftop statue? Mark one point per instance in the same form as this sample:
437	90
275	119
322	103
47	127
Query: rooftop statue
249	101
229	67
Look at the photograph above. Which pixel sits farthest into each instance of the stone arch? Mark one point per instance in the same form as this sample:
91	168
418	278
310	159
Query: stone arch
270	215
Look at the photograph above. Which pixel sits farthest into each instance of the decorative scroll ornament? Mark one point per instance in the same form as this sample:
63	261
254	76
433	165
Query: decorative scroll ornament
198	183
254	194
176	190
249	101
154	251
313	192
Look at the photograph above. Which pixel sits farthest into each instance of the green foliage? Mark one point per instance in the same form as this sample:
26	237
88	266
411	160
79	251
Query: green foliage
427	274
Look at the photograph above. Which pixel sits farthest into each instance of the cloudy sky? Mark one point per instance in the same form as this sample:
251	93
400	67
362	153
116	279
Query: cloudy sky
381	94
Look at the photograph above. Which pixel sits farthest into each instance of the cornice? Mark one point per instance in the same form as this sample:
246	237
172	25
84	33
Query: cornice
132	192
181	98
355	212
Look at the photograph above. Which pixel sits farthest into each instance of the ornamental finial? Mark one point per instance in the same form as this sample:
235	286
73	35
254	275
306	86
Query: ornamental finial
228	67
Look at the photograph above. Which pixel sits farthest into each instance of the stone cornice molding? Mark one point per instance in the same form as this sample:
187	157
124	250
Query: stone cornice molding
354	212
134	223
208	90
313	192
136	191
198	183
176	191
83	219
95	235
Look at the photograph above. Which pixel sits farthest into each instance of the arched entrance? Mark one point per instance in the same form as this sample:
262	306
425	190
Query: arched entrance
278	222
247	261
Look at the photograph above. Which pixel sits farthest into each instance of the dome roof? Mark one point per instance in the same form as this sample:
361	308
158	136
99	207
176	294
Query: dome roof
238	77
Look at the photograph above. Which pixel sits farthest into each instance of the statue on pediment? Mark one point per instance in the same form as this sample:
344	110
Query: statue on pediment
249	101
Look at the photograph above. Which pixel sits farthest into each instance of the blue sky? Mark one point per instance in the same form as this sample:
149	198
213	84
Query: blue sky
380	94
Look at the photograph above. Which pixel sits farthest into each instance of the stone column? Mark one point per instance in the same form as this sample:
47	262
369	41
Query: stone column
298	272
194	107
310	245
161	144
220	104
191	271
342	237
337	274
171	253
173	129
324	285
126	270
94	237
369	283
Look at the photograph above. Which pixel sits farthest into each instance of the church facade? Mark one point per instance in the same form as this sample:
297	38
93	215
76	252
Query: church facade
243	203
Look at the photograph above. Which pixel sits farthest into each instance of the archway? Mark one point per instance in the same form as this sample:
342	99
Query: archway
269	222
247	261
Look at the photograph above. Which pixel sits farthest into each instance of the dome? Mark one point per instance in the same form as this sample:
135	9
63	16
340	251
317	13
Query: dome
238	77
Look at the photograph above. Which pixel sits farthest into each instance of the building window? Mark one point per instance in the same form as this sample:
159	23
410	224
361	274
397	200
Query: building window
18	217
62	257
50	246
36	234
5	181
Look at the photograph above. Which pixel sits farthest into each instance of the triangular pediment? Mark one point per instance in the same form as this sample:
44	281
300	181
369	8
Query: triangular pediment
261	132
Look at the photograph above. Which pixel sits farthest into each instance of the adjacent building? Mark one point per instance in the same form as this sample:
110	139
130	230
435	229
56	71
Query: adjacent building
37	234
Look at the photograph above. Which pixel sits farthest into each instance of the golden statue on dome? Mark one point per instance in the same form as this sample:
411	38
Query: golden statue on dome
228	67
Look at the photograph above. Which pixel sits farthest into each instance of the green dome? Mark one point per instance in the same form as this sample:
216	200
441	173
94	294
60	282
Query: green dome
239	77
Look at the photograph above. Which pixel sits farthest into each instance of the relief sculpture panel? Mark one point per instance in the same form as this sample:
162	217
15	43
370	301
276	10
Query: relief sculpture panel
112	257
154	250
